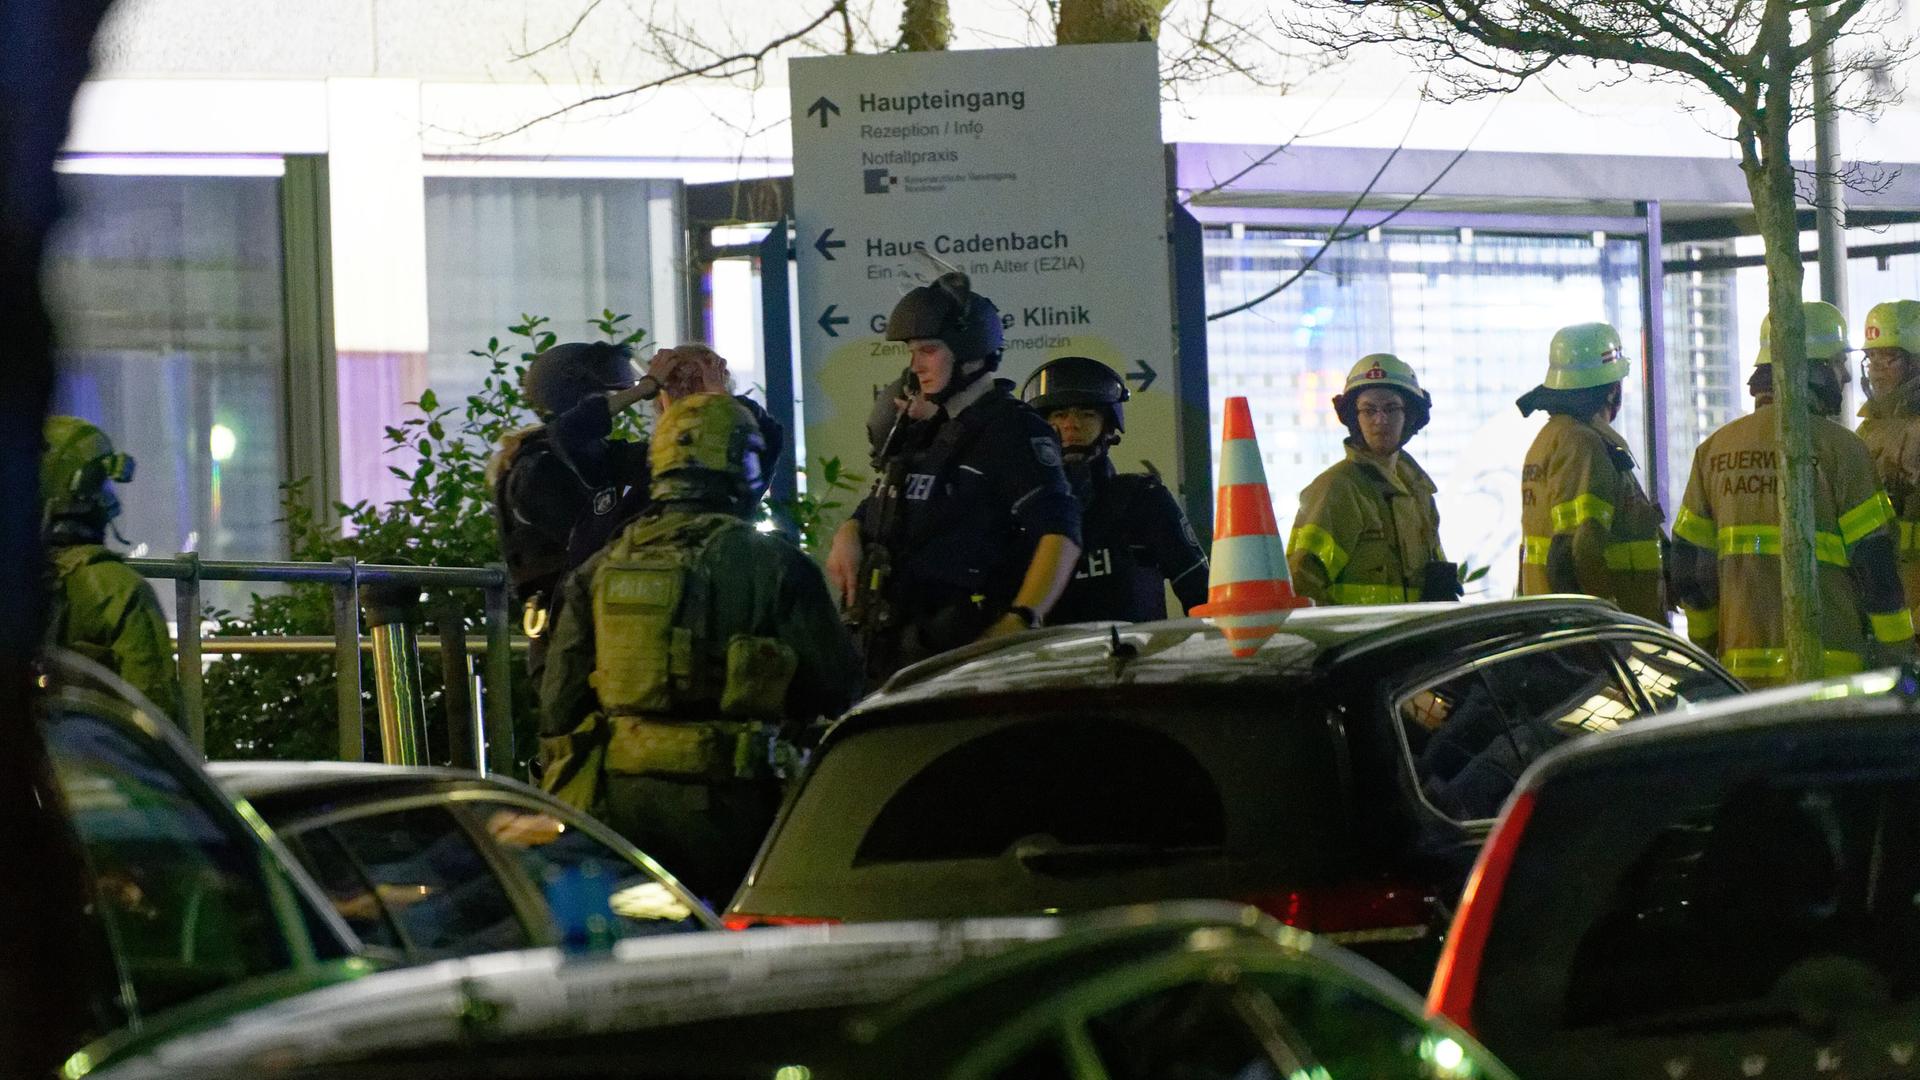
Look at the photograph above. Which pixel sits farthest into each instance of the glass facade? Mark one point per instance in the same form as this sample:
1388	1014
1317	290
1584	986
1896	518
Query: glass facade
166	293
498	248
1472	312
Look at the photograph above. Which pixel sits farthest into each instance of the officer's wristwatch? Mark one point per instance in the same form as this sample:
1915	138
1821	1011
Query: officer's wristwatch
1026	615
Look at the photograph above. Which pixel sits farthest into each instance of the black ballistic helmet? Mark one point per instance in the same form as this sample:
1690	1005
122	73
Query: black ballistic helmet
564	375
949	311
1078	381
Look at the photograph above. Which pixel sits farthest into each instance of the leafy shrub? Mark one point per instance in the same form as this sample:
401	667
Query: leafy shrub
282	706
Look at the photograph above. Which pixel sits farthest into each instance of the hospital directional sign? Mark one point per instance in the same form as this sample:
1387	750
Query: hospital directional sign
1038	172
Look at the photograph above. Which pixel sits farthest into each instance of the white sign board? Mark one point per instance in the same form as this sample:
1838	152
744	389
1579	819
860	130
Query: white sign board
1039	172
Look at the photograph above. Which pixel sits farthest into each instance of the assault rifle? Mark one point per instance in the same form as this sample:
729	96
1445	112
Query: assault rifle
873	617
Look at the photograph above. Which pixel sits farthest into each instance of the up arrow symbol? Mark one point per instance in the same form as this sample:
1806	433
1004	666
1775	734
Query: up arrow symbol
822	106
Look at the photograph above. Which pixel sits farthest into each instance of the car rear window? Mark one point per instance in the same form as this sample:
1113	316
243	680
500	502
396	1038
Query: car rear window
1736	899
1709	890
1074	782
1015	804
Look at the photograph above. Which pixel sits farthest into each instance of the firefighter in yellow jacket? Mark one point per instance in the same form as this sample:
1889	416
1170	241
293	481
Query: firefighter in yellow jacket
1727	550
1368	531
1586	525
1890	423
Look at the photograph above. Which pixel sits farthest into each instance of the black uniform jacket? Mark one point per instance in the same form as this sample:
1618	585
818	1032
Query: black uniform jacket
1135	539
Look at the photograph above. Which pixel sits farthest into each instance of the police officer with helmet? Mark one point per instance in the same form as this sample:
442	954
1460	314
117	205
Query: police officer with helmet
1587	527
1890	423
970	529
564	487
1368	530
1727	533
682	649
1135	539
98	605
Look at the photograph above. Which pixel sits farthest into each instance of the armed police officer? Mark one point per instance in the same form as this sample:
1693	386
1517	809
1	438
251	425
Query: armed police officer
1135	539
1587	526
1727	534
564	487
970	530
1368	530
681	649
99	606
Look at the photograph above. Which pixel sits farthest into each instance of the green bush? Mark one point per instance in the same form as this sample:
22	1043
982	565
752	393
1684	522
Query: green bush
283	706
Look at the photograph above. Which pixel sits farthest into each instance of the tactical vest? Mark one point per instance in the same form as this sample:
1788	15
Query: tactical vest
654	653
1111	579
907	511
681	702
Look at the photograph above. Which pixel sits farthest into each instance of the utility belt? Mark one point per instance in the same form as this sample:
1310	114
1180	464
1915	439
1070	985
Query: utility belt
710	751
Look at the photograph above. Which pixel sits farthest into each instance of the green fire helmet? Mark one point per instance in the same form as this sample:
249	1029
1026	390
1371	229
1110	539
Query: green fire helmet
78	463
1385	369
1585	355
707	446
1894	325
1826	333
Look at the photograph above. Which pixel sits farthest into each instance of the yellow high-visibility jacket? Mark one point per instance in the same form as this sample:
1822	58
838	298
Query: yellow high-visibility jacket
1890	426
1586	525
1731	513
1366	531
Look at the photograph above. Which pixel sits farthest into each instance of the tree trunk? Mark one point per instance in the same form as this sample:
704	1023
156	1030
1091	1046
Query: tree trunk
1094	22
926	26
1769	169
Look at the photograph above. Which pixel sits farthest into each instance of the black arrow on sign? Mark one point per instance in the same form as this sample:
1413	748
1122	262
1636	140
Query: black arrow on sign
828	320
823	244
1144	376
823	107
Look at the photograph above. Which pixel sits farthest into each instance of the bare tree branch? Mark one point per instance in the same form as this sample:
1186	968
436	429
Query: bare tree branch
724	66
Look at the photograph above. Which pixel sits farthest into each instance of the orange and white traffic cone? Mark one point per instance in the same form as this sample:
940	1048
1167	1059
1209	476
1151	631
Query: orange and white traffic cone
1249	591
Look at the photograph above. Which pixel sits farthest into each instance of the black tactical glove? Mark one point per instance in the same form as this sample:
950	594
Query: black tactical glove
1442	582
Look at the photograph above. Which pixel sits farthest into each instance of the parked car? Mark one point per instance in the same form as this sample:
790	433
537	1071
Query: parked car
425	863
196	908
1342	779
1196	991
1733	894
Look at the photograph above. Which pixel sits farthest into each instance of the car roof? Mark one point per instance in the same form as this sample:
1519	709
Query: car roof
287	790
1780	713
255	779
1187	651
652	983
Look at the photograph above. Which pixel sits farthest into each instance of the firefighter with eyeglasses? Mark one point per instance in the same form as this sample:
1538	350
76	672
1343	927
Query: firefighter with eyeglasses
688	655
1368	530
1586	524
1136	540
1727	533
1890	423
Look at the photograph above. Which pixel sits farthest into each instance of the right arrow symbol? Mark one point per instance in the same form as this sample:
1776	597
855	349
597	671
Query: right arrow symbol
828	320
822	107
823	244
1144	376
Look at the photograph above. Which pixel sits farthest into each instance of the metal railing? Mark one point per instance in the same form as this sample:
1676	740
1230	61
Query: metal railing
492	748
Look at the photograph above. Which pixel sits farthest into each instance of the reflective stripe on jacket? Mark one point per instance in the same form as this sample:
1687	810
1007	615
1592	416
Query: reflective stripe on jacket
1366	530
1890	426
1731	510
1578	487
